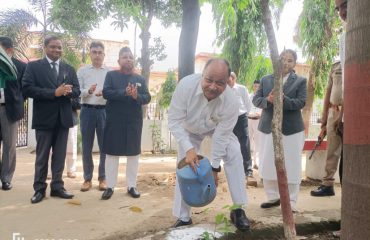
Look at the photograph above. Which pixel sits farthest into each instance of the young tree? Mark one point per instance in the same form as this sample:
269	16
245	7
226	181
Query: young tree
318	39
356	168
86	16
142	13
16	23
288	220
167	89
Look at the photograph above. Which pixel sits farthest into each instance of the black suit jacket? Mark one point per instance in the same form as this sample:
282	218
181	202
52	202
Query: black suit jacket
295	91
39	83
13	95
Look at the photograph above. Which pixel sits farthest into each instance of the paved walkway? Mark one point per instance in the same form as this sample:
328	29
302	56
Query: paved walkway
123	217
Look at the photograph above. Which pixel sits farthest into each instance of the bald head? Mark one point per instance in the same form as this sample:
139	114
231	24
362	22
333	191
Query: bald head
215	76
232	79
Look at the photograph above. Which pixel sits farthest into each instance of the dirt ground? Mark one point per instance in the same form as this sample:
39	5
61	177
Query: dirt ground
122	217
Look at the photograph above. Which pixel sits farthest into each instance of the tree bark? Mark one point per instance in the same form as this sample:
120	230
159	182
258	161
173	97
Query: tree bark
145	61
356	166
188	37
288	220
145	37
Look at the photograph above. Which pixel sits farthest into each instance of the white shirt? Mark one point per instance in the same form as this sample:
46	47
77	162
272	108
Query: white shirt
56	63
191	112
254	110
245	103
87	76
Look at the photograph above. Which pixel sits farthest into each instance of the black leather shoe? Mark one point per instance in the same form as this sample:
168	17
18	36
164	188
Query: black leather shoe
62	193
323	191
133	192
107	194
37	197
239	219
7	186
271	203
180	223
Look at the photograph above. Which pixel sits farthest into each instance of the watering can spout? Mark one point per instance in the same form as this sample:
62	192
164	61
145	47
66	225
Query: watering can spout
207	193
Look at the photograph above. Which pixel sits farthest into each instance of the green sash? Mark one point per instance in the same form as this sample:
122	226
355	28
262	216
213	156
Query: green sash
8	72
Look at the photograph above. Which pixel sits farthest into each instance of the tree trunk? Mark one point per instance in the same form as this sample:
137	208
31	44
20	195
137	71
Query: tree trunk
288	220
145	55
356	166
188	37
145	61
307	110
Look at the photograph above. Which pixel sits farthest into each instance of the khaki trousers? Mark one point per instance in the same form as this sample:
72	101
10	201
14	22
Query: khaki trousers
334	148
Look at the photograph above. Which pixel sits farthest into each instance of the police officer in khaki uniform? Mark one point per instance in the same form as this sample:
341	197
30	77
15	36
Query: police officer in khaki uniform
332	106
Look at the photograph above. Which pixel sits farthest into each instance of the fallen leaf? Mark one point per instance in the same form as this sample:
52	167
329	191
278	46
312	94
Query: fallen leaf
135	209
74	202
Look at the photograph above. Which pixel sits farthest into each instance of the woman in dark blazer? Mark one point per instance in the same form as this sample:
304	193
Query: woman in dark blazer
294	99
125	92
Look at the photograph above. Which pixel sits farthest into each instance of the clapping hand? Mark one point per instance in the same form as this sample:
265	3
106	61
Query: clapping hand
92	88
99	94
63	90
131	90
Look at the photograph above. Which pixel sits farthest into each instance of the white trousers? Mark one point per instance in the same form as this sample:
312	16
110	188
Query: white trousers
254	139
71	154
272	191
111	170
234	170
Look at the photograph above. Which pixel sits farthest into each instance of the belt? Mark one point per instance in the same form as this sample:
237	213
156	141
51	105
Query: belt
2	104
93	106
335	107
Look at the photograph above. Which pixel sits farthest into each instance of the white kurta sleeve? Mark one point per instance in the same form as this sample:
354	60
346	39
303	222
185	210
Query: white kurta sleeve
221	136
176	117
247	100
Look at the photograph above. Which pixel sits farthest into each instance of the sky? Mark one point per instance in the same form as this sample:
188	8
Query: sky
170	36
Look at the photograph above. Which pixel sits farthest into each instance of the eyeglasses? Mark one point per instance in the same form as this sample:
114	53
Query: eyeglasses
341	6
97	52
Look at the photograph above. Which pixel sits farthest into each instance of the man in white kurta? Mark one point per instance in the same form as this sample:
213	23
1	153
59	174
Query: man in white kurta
203	105
253	121
241	128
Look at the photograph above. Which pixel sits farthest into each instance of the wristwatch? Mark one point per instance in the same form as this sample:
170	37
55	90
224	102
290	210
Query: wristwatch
216	169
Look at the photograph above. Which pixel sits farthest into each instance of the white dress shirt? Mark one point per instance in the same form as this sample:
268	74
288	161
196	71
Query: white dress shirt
255	111
245	103
56	63
191	112
87	76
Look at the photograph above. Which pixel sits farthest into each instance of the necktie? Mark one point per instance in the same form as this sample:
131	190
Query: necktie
54	70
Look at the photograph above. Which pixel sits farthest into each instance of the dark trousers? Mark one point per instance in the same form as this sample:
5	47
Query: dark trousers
92	119
56	140
241	131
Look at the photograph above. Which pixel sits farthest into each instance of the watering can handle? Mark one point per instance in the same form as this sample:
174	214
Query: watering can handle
182	162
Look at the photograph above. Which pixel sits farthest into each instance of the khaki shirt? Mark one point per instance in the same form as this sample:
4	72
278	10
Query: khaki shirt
333	95
336	96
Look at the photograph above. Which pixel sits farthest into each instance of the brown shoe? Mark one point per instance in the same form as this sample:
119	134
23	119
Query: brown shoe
102	185
251	181
86	186
71	175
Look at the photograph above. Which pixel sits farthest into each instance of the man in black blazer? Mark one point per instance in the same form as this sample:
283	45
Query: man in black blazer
51	83
11	110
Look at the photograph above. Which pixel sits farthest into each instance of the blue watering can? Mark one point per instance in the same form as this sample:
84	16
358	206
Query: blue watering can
197	189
